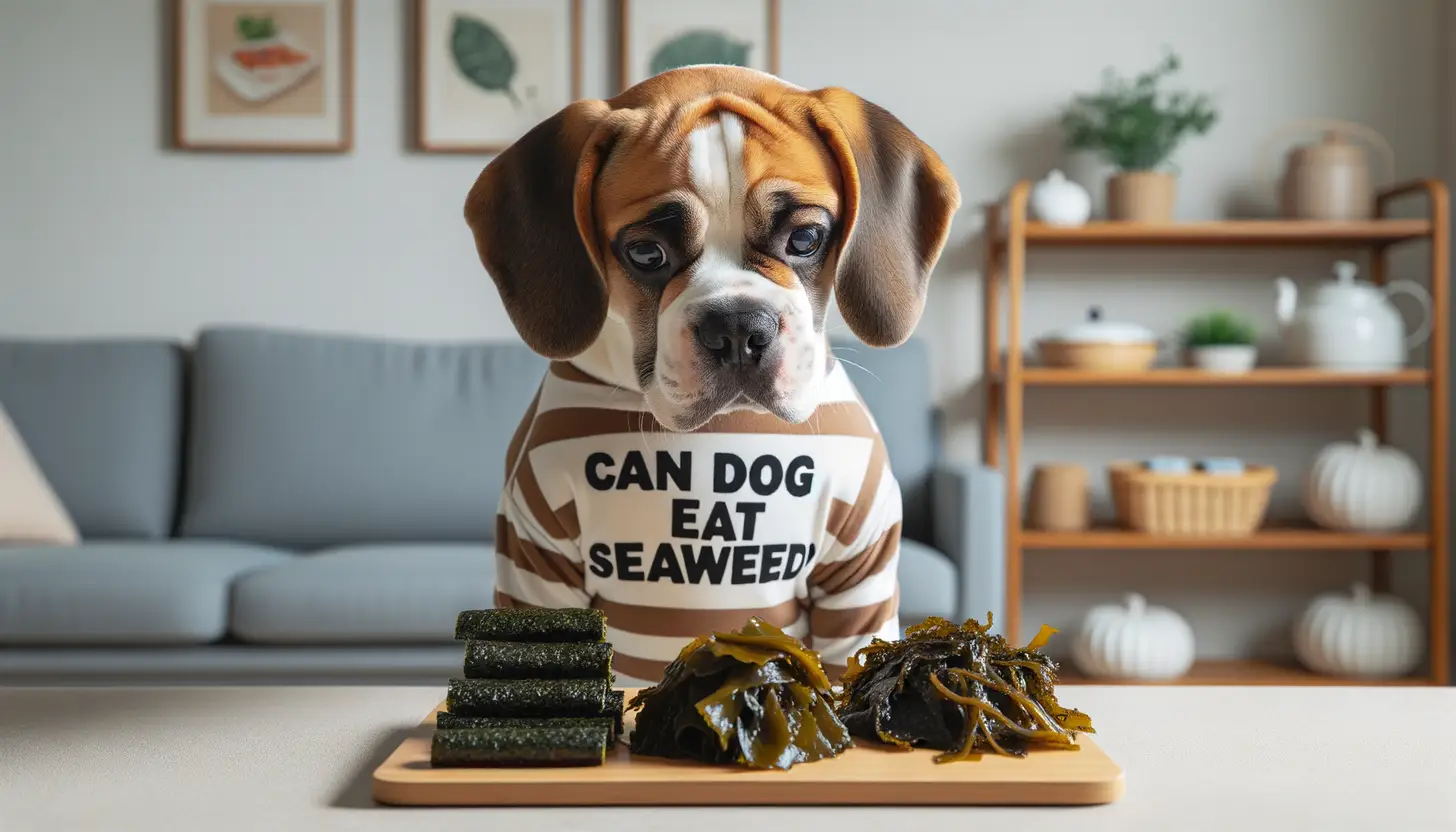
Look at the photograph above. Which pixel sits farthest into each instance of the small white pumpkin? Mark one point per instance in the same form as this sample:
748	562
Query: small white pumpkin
1133	641
1364	487
1370	636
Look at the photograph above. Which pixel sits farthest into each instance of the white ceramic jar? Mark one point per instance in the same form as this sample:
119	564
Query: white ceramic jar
1359	634
1133	641
1226	359
1057	200
1363	486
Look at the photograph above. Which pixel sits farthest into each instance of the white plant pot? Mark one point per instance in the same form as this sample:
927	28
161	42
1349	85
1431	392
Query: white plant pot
1229	359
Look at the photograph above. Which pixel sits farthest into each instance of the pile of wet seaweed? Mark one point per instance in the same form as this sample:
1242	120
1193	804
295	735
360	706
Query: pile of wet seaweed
959	689
755	697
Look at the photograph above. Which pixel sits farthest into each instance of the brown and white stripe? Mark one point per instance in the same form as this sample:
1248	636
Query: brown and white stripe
846	595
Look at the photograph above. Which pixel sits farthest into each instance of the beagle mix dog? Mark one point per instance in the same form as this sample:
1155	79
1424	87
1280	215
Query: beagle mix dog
695	456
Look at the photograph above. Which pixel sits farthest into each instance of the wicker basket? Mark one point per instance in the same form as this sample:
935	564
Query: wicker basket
1196	504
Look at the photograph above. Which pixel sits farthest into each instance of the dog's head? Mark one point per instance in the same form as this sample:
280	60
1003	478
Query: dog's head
704	218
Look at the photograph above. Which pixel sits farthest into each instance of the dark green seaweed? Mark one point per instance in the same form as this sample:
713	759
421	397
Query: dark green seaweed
528	697
531	624
447	720
537	660
756	697
583	743
617	708
958	689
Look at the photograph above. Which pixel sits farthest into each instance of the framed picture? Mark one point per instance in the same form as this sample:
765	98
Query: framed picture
487	71
264	76
658	35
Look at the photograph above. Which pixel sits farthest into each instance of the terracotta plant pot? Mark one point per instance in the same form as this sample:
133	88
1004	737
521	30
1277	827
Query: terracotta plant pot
1141	196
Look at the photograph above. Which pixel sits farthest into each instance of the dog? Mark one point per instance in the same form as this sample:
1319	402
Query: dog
695	456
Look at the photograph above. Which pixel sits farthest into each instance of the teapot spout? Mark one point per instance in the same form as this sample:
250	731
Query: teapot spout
1286	300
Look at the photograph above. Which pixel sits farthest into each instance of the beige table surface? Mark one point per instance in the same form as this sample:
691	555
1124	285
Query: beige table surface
279	758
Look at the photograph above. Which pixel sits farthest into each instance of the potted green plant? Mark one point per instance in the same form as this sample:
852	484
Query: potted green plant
1220	342
1136	126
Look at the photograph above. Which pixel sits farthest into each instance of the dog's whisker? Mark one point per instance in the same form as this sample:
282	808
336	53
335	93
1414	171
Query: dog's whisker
862	367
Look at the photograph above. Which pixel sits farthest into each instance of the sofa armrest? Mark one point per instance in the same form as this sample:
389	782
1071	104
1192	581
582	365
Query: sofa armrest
969	524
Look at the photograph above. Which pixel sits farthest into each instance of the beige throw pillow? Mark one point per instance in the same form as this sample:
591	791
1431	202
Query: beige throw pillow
30	511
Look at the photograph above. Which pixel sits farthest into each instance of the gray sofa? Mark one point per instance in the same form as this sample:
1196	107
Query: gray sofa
269	505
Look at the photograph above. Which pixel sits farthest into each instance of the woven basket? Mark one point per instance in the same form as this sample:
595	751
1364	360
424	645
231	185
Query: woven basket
1196	504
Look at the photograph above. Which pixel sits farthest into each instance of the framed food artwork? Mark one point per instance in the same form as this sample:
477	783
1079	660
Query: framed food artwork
658	35
274	76
487	71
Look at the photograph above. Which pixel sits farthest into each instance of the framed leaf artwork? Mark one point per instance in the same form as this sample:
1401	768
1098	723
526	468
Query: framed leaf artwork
658	35
271	76
487	71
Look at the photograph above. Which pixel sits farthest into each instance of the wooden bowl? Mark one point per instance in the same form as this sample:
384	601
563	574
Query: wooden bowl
1110	357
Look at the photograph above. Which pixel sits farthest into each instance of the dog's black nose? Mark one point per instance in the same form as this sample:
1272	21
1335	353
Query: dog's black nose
738	334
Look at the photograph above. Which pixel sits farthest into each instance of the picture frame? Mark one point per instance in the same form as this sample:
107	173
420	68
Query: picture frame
487	71
655	35
271	76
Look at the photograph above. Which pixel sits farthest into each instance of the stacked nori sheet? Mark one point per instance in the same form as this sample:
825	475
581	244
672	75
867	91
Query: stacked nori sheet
536	691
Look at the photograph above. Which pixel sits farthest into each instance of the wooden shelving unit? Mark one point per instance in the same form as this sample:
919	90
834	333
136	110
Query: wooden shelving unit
1181	377
1009	378
1244	672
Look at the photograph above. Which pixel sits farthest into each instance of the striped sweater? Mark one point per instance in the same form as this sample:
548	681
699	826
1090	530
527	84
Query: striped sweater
674	535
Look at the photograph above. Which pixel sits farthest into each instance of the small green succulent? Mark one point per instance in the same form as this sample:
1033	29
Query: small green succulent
1219	329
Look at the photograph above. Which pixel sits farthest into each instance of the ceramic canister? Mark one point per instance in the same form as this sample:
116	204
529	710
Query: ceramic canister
1059	500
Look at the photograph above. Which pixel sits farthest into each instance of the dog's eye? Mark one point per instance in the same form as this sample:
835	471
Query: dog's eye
647	256
805	240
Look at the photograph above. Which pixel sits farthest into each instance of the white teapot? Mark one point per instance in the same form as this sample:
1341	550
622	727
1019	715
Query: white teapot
1348	324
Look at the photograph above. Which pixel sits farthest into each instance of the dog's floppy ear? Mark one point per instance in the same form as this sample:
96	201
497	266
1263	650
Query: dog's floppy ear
531	213
899	197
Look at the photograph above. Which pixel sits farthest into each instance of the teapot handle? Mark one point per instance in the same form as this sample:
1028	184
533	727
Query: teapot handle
1417	291
1294	128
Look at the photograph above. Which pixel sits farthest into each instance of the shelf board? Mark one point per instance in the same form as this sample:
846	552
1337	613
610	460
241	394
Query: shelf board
1243	672
1189	377
1294	537
1229	233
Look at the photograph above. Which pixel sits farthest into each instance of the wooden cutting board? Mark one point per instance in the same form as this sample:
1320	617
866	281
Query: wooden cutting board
867	774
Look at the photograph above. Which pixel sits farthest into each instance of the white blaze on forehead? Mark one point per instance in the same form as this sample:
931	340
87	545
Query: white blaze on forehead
715	162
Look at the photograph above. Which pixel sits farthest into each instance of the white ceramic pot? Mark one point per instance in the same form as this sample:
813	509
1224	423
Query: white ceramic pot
1363	486
1057	200
1224	358
1133	641
1348	324
1371	636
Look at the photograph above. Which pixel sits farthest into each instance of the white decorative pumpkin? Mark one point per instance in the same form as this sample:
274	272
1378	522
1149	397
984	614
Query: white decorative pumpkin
1133	641
1372	636
1364	487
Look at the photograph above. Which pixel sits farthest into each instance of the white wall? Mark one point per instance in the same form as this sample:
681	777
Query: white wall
103	230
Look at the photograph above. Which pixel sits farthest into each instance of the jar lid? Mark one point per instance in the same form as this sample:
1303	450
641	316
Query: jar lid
1094	330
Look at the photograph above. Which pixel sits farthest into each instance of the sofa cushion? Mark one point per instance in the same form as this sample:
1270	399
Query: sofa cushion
308	441
895	385
30	511
103	419
927	583
122	592
376	594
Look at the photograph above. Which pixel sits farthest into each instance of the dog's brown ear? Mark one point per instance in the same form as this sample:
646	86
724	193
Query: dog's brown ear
899	198
531	213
